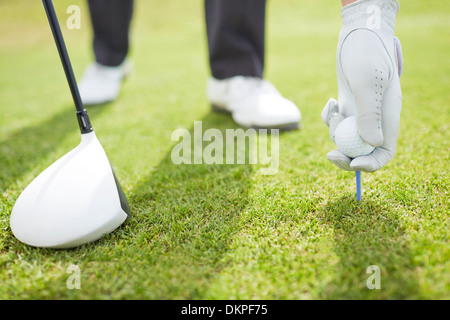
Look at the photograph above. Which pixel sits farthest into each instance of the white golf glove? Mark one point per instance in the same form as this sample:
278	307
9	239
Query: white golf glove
369	65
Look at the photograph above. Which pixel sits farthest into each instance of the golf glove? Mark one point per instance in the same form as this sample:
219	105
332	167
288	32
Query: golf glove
369	66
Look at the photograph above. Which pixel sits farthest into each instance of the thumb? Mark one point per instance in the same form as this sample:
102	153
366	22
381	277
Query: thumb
372	162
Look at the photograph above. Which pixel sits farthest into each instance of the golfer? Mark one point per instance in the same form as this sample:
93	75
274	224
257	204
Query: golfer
369	65
235	32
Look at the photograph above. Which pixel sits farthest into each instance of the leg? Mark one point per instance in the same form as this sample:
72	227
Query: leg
102	80
111	23
235	31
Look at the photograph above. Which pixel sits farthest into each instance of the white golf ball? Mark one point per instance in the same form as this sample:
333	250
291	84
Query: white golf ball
348	140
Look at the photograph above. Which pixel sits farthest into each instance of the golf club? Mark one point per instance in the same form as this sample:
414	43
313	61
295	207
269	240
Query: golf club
78	199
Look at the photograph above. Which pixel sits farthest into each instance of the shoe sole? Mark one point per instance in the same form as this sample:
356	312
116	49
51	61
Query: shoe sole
281	127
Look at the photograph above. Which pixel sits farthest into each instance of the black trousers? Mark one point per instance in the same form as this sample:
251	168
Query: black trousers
235	32
111	25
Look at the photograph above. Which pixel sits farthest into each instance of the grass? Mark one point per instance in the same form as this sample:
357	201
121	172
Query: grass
226	231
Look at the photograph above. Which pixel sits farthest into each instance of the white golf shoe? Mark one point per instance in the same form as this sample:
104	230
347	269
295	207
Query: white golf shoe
101	84
253	103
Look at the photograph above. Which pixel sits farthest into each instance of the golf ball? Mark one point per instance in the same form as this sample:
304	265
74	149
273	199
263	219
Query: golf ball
348	140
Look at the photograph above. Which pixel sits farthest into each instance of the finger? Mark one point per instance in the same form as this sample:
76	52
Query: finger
340	160
399	55
331	116
392	106
329	110
372	162
367	70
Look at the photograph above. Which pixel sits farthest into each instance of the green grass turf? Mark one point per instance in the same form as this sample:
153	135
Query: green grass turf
226	231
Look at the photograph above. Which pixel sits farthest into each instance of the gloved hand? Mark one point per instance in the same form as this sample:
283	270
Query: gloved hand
369	65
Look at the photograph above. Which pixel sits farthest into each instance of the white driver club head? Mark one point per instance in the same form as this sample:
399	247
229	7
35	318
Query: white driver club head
74	201
78	199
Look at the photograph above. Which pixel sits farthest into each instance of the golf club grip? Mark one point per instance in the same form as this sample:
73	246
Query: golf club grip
83	119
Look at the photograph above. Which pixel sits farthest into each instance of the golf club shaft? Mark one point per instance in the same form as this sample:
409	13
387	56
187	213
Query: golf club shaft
83	118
